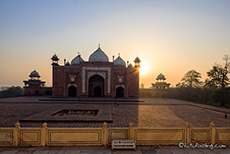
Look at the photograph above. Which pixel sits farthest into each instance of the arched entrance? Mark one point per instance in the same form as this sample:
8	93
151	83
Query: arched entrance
120	92
72	91
96	86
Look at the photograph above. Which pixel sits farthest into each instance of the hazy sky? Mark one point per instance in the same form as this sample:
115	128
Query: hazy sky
169	36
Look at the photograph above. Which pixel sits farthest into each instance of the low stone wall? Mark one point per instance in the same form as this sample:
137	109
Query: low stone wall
103	136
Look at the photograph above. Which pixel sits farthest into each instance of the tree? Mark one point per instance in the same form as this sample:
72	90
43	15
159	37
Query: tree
206	92
191	79
11	91
187	88
222	96
218	75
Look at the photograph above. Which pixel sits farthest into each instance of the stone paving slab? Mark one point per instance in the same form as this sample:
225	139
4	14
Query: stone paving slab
175	150
96	151
107	150
72	151
207	151
163	151
9	152
192	151
43	152
126	152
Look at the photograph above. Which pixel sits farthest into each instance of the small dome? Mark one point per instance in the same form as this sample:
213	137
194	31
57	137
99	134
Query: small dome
67	64
55	57
161	77
34	74
137	60
119	62
98	56
77	60
130	65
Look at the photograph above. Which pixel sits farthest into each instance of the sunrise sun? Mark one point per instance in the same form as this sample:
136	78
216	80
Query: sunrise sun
144	68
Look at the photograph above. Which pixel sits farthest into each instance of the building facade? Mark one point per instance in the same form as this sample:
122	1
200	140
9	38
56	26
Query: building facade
96	77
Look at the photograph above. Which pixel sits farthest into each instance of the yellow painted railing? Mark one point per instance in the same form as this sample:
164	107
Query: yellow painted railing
44	136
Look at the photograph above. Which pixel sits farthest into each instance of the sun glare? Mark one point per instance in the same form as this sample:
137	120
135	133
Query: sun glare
144	68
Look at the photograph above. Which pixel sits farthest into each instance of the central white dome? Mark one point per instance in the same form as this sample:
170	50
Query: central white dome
98	56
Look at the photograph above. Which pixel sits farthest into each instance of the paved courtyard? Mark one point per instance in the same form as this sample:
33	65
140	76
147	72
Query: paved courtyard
154	112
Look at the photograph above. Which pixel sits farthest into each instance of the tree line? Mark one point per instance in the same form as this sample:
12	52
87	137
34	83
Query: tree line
215	89
11	91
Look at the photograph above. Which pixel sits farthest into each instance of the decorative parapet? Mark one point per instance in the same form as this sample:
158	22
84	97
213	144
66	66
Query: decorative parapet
45	136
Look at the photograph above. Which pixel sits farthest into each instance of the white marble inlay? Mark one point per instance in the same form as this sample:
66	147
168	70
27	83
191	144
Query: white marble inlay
90	74
72	78
75	85
120	79
123	86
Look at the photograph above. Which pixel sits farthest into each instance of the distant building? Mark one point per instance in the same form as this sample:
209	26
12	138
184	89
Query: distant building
158	89
160	84
96	77
35	87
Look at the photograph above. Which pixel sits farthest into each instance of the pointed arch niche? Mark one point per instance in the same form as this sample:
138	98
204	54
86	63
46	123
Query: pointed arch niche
96	86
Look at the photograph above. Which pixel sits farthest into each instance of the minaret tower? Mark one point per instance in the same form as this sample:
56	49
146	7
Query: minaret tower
137	62
55	60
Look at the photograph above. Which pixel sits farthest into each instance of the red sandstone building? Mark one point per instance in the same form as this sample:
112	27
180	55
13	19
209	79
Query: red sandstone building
96	77
159	89
35	87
